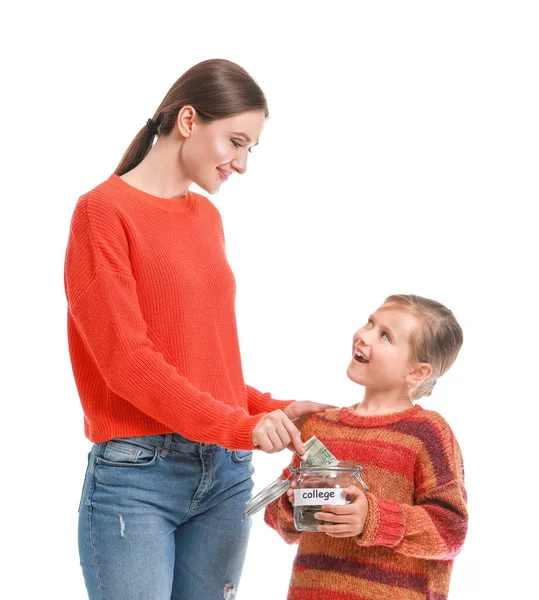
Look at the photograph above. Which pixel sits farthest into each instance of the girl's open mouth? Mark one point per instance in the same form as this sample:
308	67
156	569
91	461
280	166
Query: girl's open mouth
360	358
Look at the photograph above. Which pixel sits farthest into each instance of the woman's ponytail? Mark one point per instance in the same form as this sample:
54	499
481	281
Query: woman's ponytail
139	147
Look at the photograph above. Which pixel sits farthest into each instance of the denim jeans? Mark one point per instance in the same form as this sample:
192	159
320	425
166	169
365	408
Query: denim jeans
160	519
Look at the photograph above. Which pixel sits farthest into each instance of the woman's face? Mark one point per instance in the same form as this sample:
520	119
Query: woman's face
211	152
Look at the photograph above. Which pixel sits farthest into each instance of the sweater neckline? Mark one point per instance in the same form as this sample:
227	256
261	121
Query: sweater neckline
348	417
186	204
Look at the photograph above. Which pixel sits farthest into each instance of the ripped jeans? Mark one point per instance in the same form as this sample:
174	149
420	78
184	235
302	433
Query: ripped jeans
160	519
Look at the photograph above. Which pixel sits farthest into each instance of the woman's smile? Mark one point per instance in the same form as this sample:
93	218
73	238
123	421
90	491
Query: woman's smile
223	174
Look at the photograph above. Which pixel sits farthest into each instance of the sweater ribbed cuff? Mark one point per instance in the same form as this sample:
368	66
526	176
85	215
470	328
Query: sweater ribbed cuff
243	435
384	525
287	510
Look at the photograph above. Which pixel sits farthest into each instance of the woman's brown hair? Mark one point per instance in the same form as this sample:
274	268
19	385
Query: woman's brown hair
215	88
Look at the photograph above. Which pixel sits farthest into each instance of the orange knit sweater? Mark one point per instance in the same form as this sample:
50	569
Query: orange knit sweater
417	517
151	320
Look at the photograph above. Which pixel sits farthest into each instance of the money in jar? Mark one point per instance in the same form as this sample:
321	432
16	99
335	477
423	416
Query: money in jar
322	484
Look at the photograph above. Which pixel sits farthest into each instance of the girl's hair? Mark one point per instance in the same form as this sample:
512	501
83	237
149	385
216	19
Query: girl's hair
215	88
437	340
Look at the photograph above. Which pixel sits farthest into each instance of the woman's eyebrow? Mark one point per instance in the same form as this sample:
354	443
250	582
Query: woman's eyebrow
245	137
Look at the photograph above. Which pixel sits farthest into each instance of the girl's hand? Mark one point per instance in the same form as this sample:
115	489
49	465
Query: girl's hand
300	411
290	492
347	520
275	432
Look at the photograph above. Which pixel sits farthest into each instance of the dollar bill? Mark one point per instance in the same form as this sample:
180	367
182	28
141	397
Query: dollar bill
317	454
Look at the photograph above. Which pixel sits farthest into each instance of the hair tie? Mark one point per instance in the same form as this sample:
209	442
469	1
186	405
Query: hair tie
152	126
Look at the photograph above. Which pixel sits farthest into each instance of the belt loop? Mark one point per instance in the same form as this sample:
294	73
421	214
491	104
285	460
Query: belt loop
166	446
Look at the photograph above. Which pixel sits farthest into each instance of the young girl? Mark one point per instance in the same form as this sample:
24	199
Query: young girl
398	540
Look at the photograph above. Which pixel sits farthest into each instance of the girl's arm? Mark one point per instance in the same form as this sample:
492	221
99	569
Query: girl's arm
279	515
433	527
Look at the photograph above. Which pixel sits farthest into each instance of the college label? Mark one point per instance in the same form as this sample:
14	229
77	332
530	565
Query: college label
318	496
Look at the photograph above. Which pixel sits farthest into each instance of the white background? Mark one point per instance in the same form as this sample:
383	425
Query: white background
401	156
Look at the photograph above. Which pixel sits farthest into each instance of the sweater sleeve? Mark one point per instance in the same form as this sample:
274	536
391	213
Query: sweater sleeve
279	515
103	302
263	403
434	527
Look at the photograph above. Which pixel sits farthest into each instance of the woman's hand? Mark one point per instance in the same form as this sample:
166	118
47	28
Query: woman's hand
347	520
275	432
301	410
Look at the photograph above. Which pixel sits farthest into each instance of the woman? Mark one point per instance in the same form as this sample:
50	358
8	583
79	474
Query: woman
154	349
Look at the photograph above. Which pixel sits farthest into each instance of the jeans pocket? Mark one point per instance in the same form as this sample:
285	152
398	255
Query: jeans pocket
84	481
123	452
240	456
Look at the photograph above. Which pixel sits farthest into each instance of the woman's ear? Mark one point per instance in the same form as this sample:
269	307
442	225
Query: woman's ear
185	120
419	373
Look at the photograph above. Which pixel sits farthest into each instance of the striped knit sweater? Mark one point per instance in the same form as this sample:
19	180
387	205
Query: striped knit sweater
151	320
417	516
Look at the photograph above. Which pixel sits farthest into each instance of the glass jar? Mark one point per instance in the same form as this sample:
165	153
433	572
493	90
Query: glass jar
322	484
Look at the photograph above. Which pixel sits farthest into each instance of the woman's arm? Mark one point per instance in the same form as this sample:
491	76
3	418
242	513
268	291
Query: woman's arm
261	403
296	410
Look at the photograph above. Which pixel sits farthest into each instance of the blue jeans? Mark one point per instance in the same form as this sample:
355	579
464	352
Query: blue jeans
160	519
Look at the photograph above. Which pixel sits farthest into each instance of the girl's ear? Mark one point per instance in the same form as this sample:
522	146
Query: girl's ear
419	373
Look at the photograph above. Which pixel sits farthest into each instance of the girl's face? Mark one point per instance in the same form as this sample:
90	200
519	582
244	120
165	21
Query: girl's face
211	152
381	355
